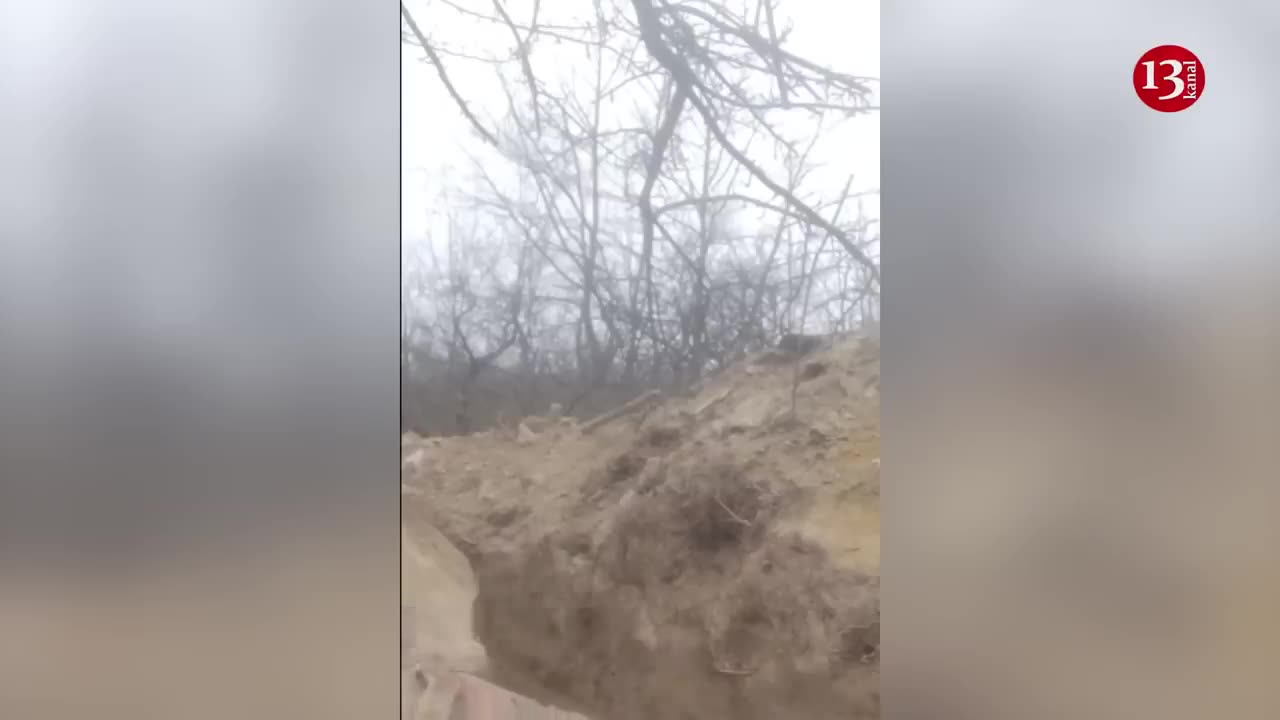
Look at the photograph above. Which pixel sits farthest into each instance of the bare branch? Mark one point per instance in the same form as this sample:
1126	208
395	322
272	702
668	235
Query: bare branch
444	77
686	81
661	141
522	49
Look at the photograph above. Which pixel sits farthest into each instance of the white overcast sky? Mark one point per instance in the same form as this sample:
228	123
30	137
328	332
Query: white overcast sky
436	140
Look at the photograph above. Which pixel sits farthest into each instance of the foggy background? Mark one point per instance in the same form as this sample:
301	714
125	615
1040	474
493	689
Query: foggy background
1080	365
532	275
198	447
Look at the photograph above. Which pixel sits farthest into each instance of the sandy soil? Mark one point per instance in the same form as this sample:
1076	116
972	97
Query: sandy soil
714	555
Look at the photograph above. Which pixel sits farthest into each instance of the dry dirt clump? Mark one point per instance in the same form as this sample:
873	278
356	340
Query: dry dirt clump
711	556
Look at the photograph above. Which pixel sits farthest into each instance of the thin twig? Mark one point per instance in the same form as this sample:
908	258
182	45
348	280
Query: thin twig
444	77
522	49
732	514
689	86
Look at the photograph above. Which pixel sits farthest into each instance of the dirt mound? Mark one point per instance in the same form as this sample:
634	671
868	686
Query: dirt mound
708	556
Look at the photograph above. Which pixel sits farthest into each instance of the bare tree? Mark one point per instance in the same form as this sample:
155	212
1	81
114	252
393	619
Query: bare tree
651	234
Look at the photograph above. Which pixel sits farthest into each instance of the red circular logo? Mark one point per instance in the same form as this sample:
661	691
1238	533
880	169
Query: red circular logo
1169	78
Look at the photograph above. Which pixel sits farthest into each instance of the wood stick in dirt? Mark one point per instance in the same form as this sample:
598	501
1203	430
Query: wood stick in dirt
626	409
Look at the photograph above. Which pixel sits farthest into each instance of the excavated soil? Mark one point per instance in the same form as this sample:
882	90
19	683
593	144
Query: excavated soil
715	555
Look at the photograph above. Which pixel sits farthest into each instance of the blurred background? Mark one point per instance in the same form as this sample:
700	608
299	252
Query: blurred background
1080	365
199	252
